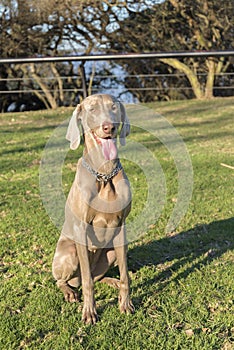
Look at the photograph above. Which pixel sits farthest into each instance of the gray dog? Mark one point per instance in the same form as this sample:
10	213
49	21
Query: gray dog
93	237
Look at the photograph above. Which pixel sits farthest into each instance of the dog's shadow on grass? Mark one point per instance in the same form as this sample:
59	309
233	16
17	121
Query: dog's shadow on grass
175	257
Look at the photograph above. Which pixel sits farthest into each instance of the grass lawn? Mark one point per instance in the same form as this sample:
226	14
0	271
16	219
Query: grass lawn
182	282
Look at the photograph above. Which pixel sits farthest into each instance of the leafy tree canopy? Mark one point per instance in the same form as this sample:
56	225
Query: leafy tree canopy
55	27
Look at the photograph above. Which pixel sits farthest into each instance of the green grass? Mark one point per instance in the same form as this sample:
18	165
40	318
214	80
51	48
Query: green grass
182	282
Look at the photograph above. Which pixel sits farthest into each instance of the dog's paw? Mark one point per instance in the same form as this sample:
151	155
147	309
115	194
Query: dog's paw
113	282
89	315
126	306
70	295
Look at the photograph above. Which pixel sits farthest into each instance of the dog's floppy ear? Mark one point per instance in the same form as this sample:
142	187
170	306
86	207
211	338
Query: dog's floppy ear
73	132
125	130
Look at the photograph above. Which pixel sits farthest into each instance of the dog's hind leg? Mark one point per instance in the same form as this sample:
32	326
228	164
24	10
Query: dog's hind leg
65	268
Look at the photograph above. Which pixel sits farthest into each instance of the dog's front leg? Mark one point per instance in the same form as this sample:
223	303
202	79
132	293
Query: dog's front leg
120	246
89	314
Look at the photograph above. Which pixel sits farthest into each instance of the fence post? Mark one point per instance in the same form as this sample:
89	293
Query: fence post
83	79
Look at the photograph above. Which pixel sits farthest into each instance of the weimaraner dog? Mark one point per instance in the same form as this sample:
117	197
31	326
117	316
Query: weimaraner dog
93	237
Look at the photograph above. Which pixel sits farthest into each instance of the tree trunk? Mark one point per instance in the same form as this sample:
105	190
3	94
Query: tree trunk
91	79
59	80
51	100
4	99
210	78
196	86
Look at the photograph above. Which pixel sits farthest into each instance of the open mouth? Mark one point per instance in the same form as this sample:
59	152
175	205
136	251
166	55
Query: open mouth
108	145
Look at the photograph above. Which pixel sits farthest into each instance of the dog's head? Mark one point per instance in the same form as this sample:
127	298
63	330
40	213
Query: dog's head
102	115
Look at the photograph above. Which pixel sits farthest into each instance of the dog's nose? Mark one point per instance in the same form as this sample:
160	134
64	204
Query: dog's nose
108	128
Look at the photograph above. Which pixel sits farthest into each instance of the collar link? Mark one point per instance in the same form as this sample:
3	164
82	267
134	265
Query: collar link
100	177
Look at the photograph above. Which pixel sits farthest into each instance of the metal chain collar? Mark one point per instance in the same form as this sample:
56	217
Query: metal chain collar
99	176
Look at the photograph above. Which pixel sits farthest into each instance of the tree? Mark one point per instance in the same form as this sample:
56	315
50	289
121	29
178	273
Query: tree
179	25
57	27
42	28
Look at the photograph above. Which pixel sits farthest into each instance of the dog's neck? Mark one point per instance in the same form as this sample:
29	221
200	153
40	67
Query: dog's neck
94	157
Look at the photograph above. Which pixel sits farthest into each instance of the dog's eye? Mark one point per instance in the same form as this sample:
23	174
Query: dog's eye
91	109
114	107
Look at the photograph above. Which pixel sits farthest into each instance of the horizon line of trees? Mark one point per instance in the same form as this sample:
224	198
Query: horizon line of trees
58	27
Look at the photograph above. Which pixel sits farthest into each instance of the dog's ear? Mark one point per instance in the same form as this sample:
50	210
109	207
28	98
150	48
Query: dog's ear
125	130
73	132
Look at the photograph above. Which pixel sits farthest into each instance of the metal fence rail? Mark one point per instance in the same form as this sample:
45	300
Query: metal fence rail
101	57
28	85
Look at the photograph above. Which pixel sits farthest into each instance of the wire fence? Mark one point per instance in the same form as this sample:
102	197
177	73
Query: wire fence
115	77
84	83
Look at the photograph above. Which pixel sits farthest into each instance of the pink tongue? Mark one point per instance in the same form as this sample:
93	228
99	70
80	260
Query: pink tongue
109	149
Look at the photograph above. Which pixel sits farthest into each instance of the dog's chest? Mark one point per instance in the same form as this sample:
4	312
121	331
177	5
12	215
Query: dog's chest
97	211
106	191
103	228
109	204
